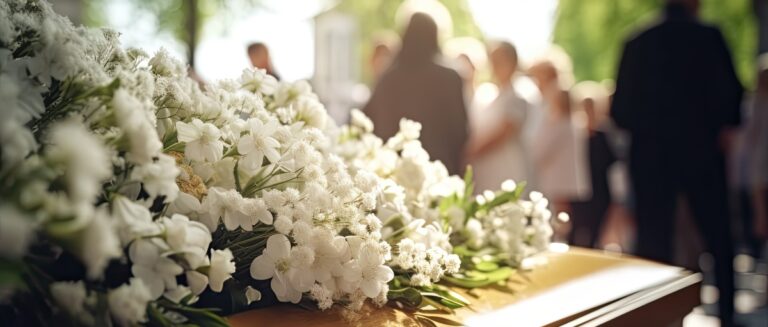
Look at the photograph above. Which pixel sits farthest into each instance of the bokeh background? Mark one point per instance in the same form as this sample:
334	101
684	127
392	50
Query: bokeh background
212	34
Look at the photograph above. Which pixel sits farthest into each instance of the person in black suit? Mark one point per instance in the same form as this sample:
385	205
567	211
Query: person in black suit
678	96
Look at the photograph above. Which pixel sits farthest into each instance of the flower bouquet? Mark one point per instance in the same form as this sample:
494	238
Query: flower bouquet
132	195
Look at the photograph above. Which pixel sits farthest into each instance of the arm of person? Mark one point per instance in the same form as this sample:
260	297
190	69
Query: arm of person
516	108
495	139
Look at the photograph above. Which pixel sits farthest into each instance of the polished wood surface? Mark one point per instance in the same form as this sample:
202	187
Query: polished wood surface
577	287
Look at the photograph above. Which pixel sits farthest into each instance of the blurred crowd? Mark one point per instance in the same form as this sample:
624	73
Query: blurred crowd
676	130
529	123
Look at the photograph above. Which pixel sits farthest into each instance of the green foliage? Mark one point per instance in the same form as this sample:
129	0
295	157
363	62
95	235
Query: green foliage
479	268
593	32
184	19
414	298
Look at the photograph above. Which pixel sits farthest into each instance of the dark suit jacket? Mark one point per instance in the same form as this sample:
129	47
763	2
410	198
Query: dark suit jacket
676	89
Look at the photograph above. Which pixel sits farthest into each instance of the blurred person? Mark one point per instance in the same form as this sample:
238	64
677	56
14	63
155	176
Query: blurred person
756	144
468	57
496	151
589	215
258	53
468	72
417	88
557	147
678	96
384	50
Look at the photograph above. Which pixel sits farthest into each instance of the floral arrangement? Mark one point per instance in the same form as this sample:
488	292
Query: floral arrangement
132	195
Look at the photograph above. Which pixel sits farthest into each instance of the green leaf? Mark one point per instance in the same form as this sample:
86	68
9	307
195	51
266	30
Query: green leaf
235	171
469	186
170	138
436	304
486	266
178	147
197	316
409	296
443	300
475	279
445	293
506	197
11	273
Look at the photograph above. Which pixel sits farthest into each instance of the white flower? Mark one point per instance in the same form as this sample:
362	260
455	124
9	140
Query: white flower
222	268
411	174
257	80
456	217
86	159
452	263
177	294
185	204
235	211
275	263
300	277
159	177
128	303
132	116
359	119
508	185
132	220
202	140
535	196
156	271
197	281
283	224
322	295
475	233
258	143
368	270
16	140
256	208
411	130
252	295
190	238
99	244
164	64
17	231
289	92
311	112
72	297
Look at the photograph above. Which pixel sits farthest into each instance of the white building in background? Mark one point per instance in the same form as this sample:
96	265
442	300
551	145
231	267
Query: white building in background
337	69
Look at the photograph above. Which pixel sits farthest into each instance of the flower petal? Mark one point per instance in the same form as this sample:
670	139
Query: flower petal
262	267
278	247
384	273
370	287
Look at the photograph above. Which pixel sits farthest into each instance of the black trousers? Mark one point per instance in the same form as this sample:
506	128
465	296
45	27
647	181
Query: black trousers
588	218
657	185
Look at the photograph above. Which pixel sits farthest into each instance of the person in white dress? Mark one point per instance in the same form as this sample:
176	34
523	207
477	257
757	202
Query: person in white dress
496	150
557	147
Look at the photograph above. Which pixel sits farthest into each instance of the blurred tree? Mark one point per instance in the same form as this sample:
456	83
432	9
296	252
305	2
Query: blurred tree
184	19
593	32
375	16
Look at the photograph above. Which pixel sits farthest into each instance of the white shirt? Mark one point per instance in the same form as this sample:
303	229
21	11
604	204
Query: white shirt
509	160
559	153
